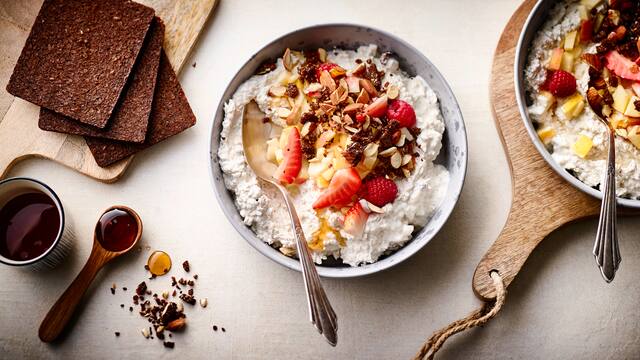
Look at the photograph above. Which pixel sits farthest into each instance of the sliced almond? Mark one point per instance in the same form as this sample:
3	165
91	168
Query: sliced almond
406	172
277	90
368	85
371	149
351	129
337	119
145	332
327	108
160	329
375	208
396	160
287	251
621	132
283	112
287	60
179	307
313	87
294	117
406	158
204	302
401	139
365	205
407	134
176	325
393	92
346	119
359	70
363	97
367	122
322	54
388	152
335	97
369	162
305	129
352	107
327	80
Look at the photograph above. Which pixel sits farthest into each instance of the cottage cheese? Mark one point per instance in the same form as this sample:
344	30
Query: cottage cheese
263	210
590	170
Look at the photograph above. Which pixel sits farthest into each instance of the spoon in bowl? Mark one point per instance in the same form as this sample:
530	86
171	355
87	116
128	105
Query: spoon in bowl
606	249
117	232
254	140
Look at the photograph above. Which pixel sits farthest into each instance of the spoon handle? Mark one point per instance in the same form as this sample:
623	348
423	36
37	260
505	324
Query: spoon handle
320	310
606	250
61	312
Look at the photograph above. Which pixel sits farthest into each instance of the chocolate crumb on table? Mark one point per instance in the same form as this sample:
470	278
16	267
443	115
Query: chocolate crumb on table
169	344
117	333
185	266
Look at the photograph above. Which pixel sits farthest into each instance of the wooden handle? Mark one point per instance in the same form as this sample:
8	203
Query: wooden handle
61	312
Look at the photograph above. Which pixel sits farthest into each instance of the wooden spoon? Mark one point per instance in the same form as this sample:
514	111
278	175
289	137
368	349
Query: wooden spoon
60	313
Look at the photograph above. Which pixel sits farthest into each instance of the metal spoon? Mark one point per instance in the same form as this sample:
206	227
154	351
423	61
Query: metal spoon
606	249
254	142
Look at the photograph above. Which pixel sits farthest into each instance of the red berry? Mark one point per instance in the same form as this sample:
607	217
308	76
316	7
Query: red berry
292	158
402	112
344	184
355	219
621	66
380	191
324	67
562	83
361	118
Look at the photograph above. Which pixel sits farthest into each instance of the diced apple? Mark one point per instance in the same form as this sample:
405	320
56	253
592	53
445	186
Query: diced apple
556	59
582	146
548	99
621	98
546	134
631	108
634	137
570	40
618	120
583	12
567	61
573	106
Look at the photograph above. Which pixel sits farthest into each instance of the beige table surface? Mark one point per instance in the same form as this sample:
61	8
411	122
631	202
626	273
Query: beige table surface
558	308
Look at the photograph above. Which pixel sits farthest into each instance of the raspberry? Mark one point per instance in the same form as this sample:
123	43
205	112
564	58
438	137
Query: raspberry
562	83
402	112
380	191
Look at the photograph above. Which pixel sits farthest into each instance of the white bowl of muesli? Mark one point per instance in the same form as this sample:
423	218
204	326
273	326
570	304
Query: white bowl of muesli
569	51
365	134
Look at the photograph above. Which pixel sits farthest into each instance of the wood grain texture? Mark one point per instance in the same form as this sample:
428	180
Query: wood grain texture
19	132
542	200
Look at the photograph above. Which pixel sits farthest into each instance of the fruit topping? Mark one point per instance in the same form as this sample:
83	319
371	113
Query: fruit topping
343	186
379	191
292	158
378	107
402	112
355	220
622	66
562	83
333	69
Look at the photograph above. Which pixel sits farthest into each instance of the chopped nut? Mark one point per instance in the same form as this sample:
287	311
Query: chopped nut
283	112
363	97
396	160
287	61
375	208
352	107
388	152
371	149
313	87
145	332
359	70
401	139
160	329
322	54
351	129
393	92
176	325
165	294
204	302
406	159
327	80
368	85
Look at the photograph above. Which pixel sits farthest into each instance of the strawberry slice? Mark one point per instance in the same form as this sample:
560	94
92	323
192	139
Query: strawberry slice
377	108
292	158
586	31
355	220
344	184
622	66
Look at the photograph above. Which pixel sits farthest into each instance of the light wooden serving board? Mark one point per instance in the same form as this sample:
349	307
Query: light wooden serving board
20	137
542	201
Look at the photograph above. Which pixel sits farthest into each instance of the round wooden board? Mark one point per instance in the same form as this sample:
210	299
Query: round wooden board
541	200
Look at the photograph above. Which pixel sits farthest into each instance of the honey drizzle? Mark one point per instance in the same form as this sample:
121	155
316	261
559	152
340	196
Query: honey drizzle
319	236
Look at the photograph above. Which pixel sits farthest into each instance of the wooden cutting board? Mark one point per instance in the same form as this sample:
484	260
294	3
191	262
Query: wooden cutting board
20	137
542	201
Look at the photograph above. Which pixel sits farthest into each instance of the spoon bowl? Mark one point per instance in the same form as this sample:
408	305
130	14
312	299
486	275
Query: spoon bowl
60	313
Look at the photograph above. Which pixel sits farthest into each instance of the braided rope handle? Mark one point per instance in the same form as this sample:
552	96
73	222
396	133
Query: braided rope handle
479	317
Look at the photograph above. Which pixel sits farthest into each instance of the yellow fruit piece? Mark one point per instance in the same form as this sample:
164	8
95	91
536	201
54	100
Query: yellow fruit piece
621	99
570	40
568	60
631	108
322	183
272	146
590	4
582	146
546	134
633	136
573	106
584	13
556	59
